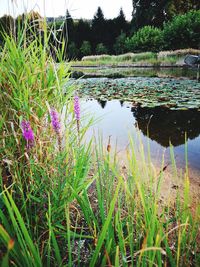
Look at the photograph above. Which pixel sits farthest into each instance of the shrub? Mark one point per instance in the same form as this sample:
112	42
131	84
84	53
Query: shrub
119	45
147	38
72	51
85	48
101	49
183	31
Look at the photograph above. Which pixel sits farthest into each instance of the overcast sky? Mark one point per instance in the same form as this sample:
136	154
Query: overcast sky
77	8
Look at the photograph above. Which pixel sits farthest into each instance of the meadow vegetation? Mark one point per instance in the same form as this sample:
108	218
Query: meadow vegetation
65	202
162	58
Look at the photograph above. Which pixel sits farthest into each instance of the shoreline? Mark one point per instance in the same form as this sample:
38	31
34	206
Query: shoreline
133	66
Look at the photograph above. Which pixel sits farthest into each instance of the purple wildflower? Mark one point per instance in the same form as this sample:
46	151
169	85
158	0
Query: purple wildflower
77	108
27	133
55	120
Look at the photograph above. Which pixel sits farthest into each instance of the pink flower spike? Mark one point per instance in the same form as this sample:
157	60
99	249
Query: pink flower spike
77	108
27	133
55	120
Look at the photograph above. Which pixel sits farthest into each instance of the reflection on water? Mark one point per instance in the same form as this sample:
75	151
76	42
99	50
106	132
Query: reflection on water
102	103
164	125
137	72
119	119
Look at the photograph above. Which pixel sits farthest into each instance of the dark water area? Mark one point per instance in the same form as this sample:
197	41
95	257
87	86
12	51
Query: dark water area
121	120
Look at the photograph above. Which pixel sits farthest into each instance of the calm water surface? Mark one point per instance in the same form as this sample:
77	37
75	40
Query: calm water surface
121	119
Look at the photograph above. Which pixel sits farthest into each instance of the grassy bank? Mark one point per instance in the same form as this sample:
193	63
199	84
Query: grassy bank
67	203
164	58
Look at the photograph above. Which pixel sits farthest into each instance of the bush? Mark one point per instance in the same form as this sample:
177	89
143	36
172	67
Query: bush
72	51
147	38
119	45
101	49
183	31
85	48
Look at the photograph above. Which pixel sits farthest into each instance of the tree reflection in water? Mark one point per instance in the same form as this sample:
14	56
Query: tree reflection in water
102	103
165	125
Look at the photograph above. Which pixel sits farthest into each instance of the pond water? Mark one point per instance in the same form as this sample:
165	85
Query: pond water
121	121
168	109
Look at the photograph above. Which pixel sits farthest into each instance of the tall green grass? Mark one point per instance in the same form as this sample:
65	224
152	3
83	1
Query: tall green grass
75	206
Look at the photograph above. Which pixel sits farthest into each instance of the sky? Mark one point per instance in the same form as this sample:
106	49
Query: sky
78	8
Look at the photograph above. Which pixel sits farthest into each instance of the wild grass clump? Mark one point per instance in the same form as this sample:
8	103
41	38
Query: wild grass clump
96	58
64	203
178	53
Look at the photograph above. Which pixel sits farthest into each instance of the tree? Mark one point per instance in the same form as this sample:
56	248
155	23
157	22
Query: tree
121	23
85	48
183	31
68	36
176	7
82	32
148	12
147	38
68	29
155	12
98	27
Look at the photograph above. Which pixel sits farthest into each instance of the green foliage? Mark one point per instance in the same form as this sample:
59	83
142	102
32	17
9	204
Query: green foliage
156	12
182	31
180	7
72	51
149	12
146	39
101	49
119	46
86	48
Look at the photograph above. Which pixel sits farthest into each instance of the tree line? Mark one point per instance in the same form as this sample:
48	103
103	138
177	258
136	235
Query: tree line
155	25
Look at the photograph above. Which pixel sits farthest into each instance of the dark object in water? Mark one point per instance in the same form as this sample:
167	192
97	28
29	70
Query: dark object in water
194	62
77	74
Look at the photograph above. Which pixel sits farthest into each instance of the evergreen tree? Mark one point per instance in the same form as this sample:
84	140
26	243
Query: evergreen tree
68	29
82	32
68	36
98	27
121	23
